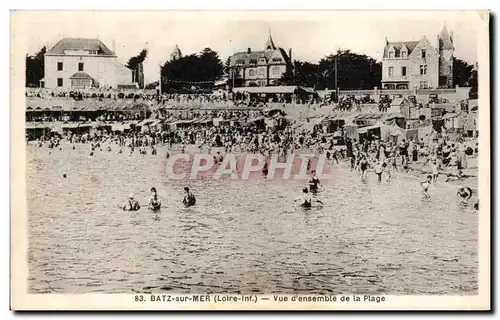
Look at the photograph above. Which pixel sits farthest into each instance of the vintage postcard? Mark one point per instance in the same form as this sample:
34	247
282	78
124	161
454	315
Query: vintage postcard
267	160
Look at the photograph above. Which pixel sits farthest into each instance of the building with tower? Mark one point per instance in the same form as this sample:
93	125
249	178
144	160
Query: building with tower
418	64
259	68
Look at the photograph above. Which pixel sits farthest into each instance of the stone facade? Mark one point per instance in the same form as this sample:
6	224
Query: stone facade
418	64
259	68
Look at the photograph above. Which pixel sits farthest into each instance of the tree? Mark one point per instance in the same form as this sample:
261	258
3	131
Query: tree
462	72
200	70
134	61
354	71
345	70
35	68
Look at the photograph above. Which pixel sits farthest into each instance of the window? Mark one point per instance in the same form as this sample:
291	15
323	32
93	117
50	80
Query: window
423	54
403	71
276	71
251	72
80	66
391	71
423	69
59	82
59	66
423	85
253	61
93	52
277	59
391	54
403	54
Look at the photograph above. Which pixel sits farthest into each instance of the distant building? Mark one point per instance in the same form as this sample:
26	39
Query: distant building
260	68
76	63
176	54
417	64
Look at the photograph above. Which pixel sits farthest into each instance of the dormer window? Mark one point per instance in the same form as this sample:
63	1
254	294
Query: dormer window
253	61
391	54
240	61
404	54
276	59
93	52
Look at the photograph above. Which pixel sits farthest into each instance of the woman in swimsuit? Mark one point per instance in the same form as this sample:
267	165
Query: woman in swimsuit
314	182
154	202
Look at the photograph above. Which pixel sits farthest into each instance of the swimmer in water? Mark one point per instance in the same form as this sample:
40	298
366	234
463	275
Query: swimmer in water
465	193
131	204
306	199
154	202
314	182
189	198
425	186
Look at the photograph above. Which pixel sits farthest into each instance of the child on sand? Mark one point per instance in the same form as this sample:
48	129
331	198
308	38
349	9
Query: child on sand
425	186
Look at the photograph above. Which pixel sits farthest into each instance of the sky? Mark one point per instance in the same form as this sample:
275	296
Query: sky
311	34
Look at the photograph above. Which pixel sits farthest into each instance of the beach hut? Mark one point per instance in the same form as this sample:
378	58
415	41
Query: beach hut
381	131
36	130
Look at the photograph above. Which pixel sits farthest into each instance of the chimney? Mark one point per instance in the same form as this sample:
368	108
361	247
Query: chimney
114	44
249	50
290	54
386	42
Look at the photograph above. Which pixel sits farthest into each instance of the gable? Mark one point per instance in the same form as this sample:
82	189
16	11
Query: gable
277	58
397	46
423	44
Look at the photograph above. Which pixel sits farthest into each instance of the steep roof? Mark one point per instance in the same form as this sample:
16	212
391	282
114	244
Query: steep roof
177	51
398	45
80	44
445	40
269	43
255	55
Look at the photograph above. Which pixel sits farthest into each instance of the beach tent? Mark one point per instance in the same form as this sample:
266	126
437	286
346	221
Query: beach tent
382	131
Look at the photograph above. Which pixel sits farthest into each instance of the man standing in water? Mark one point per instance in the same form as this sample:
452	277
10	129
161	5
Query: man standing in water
189	198
314	182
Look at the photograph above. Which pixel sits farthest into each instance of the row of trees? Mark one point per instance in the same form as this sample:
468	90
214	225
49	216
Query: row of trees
345	70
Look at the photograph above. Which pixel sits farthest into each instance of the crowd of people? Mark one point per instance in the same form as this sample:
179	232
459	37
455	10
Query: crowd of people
438	156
